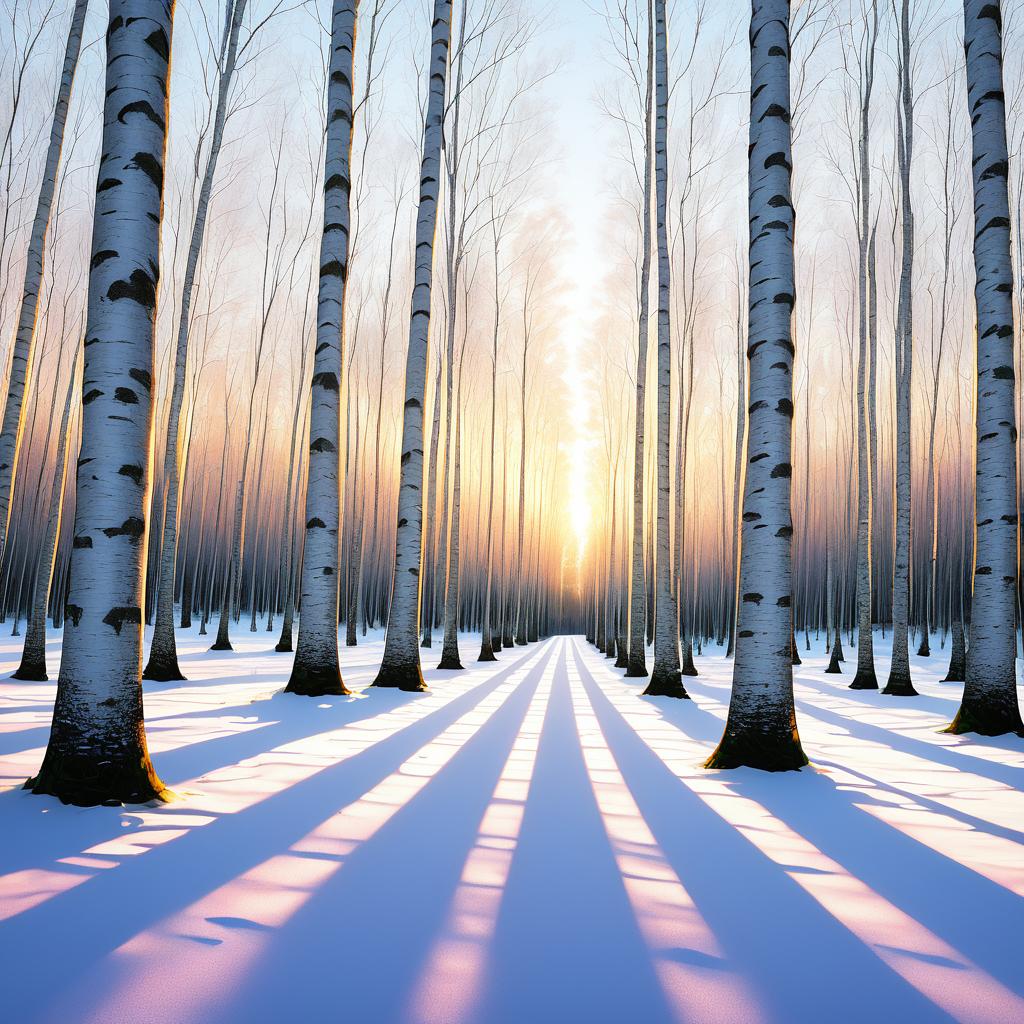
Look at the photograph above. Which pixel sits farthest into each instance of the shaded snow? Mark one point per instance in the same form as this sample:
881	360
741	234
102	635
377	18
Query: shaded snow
529	841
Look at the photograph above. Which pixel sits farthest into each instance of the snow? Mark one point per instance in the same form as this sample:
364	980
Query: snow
529	841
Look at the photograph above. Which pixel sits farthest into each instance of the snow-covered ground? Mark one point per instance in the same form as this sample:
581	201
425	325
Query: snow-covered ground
528	842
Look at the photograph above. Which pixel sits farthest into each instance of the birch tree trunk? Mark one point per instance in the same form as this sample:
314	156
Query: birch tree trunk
316	670
761	730
737	469
97	750
864	678
990	703
163	654
400	666
450	658
33	654
23	348
637	662
899	683
666	678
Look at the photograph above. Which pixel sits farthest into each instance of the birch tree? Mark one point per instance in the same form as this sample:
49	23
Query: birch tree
666	677
20	368
761	730
163	655
316	671
989	703
899	682
637	662
97	750
864	678
400	666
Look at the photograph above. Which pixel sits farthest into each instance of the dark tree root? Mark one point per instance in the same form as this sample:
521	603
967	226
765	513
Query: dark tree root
834	668
924	650
776	751
162	670
307	681
92	781
666	684
221	645
987	718
450	661
689	669
636	668
31	671
865	679
284	645
486	652
899	685
408	678
622	661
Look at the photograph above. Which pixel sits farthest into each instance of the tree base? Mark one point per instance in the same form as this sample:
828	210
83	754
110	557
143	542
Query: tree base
450	662
899	685
284	646
666	684
87	781
865	679
31	671
408	678
322	681
988	719
221	645
486	653
163	671
924	651
768	752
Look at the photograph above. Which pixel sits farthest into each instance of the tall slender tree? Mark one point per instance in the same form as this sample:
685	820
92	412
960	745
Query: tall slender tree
97	750
666	677
20	369
989	703
864	678
400	666
316	670
899	683
761	730
638	586
163	653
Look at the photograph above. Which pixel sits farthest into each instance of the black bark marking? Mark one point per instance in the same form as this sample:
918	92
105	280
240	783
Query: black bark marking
150	167
140	287
82	542
117	617
132	471
328	381
753	598
102	256
126	396
91	396
321	444
131	527
73	612
315	524
144	108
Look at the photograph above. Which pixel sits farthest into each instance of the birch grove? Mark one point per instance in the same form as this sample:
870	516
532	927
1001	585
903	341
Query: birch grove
353	341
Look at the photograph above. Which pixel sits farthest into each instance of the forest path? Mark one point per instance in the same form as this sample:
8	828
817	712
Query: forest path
529	841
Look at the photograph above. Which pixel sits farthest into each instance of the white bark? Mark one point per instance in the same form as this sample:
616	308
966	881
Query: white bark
638	585
163	655
990	694
22	350
761	729
315	670
666	679
401	662
864	679
899	683
97	750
